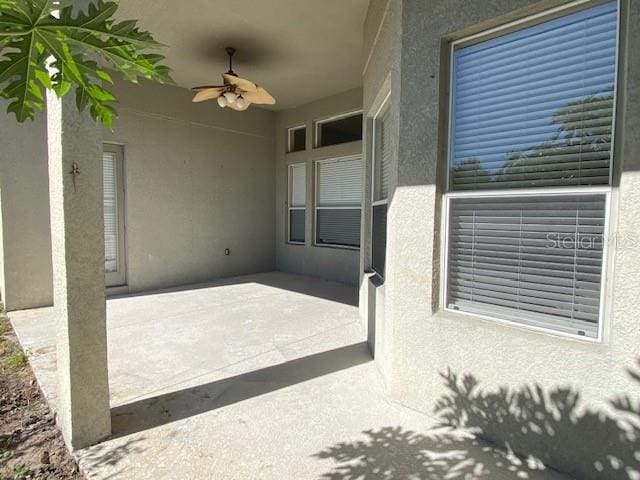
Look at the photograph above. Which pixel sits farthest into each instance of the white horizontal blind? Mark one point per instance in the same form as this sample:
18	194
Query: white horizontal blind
383	157
109	179
297	202
534	107
379	238
339	227
339	199
297	219
340	182
297	185
532	259
382	169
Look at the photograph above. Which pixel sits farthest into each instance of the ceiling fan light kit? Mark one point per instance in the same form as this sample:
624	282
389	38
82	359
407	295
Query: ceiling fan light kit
230	96
236	93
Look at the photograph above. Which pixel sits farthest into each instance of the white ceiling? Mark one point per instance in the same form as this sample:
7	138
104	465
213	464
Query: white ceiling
299	50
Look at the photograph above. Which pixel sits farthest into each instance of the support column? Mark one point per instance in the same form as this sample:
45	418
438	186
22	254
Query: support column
77	237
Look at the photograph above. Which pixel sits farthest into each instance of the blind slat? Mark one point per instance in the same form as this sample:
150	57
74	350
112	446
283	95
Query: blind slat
379	238
340	182
339	185
338	227
383	157
533	108
110	192
296	225
297	185
536	260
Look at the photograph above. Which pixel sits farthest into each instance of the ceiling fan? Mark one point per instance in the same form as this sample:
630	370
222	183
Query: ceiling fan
236	92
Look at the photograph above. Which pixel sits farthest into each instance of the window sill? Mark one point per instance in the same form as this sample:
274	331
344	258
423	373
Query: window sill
293	153
116	290
374	277
334	245
459	316
295	243
375	273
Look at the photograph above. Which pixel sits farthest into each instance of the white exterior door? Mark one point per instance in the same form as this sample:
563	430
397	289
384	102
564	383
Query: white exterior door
114	244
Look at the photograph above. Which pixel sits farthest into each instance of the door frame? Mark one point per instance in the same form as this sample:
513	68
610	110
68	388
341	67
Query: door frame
119	277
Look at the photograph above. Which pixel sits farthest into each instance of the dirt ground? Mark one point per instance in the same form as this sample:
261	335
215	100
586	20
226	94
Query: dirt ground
31	446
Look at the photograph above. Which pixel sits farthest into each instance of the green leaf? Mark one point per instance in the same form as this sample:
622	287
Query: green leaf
40	51
20	71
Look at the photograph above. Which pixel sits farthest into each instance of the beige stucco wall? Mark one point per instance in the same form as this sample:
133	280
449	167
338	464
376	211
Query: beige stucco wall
380	78
424	341
24	189
199	179
331	263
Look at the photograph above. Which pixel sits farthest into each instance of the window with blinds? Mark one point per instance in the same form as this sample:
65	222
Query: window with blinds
297	199
381	173
382	156
110	186
533	259
529	172
338	201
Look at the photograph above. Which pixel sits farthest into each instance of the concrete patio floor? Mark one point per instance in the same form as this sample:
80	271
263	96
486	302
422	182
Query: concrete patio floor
265	376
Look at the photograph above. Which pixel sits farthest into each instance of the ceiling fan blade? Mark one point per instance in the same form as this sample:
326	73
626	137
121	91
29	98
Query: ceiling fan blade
208	94
260	96
239	82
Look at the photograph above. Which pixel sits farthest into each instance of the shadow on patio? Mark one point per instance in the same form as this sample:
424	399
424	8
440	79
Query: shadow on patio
395	453
170	407
525	429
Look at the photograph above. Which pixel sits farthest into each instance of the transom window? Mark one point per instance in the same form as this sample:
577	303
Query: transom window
340	129
530	158
296	139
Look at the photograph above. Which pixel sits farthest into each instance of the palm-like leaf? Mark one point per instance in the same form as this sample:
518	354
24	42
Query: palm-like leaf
41	50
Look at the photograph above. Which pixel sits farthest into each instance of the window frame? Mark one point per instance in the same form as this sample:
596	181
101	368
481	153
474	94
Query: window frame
118	277
548	192
290	207
317	123
316	192
384	107
606	190
290	131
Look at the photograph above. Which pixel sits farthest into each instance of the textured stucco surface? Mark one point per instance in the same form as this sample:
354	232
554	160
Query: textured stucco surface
77	237
427	342
198	179
331	263
380	77
25	212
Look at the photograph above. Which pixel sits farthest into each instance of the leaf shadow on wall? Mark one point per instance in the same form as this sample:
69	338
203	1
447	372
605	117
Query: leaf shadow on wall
525	433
